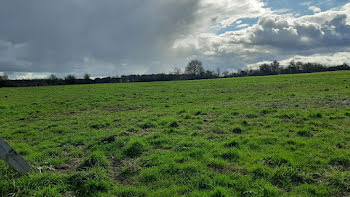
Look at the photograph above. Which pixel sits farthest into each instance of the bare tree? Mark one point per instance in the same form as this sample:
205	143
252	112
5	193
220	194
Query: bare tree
293	67
70	79
218	71
3	80
270	69
176	71
4	77
226	73
52	80
53	77
194	67
265	69
275	67
86	77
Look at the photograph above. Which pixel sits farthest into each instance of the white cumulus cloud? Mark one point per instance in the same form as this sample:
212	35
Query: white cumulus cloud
330	59
279	37
315	9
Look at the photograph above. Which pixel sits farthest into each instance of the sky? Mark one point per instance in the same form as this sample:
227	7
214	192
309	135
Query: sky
115	37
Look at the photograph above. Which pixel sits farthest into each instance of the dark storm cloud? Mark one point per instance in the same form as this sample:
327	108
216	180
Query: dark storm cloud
71	35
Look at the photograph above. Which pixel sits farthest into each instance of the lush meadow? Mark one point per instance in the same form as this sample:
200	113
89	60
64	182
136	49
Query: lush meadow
285	135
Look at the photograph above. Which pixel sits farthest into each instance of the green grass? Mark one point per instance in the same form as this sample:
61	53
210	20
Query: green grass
286	135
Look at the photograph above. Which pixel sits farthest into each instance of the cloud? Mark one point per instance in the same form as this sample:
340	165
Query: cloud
109	37
329	59
315	9
278	37
28	75
322	31
242	25
58	36
306	3
226	12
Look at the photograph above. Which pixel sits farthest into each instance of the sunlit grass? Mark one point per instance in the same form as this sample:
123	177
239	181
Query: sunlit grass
285	135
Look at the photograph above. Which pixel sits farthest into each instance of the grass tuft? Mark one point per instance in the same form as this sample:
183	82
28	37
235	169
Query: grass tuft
305	133
230	155
89	183
134	149
96	159
218	192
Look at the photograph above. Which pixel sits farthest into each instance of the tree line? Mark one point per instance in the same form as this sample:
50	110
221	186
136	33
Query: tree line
194	70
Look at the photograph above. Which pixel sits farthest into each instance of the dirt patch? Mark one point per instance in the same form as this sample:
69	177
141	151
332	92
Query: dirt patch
123	171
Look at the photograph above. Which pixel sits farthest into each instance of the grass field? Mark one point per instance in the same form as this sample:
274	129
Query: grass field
286	135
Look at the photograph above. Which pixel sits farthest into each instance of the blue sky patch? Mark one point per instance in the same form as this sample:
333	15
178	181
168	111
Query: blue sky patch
301	7
239	24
